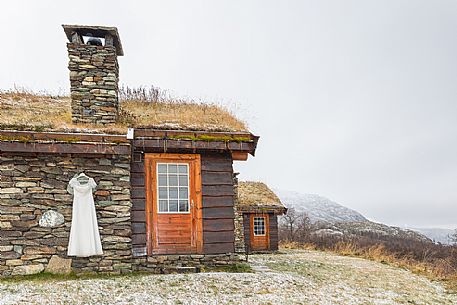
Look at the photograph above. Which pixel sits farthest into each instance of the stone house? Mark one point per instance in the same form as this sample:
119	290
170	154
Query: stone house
259	208
166	196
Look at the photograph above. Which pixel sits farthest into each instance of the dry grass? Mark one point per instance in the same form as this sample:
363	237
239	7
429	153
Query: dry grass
23	110
437	269
26	109
441	268
257	194
179	116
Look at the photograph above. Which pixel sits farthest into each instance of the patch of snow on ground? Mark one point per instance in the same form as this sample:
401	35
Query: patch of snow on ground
292	277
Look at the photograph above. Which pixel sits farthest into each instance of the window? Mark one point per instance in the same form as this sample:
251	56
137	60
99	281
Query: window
173	187
259	226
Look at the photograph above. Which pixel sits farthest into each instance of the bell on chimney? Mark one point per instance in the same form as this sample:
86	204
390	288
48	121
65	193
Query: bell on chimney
93	41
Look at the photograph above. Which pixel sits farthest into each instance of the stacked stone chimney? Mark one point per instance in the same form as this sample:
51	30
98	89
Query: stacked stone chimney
94	73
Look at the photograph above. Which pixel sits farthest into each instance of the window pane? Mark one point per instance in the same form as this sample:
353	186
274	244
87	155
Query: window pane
173	180
162	168
182	169
183	206
183	194
163	206
173	206
183	180
172	168
162	180
163	193
173	192
259	225
173	187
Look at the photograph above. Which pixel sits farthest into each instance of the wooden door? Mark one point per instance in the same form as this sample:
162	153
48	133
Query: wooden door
173	203
260	233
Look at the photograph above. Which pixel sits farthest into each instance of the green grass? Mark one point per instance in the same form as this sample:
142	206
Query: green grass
46	276
233	268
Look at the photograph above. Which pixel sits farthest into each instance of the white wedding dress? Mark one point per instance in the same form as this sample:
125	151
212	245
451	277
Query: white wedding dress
84	236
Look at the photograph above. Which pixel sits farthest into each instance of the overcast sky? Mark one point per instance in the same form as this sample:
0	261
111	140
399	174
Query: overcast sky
353	100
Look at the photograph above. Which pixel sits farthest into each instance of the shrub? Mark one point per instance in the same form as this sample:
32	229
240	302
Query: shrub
436	260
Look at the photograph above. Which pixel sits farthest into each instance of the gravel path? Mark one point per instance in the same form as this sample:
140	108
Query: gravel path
294	277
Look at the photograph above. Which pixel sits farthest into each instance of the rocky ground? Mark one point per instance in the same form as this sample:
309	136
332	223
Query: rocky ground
293	277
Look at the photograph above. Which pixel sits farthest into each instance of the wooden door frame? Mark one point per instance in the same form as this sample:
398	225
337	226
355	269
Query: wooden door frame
196	196
267	228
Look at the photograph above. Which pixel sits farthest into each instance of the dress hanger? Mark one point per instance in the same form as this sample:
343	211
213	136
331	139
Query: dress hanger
82	177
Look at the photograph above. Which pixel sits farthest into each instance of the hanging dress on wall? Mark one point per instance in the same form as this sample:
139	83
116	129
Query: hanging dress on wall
84	236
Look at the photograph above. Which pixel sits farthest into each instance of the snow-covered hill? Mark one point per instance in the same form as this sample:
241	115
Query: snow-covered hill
331	218
319	208
436	234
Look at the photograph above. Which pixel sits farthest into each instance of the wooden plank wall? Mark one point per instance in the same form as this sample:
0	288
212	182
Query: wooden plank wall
138	195
217	203
273	232
218	200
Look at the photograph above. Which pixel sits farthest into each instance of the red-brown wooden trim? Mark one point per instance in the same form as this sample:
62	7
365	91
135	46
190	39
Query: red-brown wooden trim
239	156
260	242
199	203
149	205
194	162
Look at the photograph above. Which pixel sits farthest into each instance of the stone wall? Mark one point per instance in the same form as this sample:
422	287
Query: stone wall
94	74
238	221
31	185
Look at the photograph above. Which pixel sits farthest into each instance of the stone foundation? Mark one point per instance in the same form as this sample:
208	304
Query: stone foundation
171	263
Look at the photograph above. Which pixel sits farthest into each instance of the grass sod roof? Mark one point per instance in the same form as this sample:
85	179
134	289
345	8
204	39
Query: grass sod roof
21	110
258	196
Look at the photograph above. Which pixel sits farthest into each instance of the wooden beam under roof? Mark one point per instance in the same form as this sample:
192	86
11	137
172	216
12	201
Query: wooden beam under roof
155	140
64	148
61	136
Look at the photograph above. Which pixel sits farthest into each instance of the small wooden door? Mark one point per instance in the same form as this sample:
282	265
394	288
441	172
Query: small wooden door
173	203
260	233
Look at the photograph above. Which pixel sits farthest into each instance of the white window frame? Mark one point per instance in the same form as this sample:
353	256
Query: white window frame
168	189
264	225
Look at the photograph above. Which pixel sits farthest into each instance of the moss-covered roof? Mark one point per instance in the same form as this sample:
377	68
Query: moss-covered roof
36	112
253	195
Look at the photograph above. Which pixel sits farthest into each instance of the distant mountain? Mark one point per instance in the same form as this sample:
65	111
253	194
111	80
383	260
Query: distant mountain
331	218
436	234
319	208
374	229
